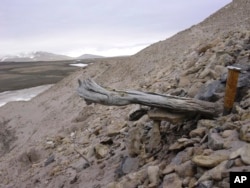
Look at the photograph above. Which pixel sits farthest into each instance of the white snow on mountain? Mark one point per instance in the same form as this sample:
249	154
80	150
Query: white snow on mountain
34	56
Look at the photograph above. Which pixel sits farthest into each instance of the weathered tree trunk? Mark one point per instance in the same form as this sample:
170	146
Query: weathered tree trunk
93	93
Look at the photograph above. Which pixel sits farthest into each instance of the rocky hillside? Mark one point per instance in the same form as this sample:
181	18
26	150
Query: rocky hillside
57	140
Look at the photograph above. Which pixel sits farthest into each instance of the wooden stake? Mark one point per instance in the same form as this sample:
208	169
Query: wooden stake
231	88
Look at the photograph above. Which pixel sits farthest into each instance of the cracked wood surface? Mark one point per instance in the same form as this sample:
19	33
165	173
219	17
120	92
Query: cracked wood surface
91	92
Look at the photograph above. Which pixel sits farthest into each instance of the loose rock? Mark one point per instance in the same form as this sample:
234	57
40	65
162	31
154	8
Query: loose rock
186	169
153	175
200	132
172	181
215	141
101	151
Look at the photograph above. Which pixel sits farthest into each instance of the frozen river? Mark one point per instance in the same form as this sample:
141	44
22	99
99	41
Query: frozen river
22	95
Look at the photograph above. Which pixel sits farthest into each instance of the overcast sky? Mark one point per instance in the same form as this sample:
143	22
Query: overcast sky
101	27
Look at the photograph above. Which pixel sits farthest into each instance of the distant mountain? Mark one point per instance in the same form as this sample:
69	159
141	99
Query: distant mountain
34	56
89	56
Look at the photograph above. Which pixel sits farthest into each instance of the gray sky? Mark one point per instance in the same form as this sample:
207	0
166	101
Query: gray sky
101	27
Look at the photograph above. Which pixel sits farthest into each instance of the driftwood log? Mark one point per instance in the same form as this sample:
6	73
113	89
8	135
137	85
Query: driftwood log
93	93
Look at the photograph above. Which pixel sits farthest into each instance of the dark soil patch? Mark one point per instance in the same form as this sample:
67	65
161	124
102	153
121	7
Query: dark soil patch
20	75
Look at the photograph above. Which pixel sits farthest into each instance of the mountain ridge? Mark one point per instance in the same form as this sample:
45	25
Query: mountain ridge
43	56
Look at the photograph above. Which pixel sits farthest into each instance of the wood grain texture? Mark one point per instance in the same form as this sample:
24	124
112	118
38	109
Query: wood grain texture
91	92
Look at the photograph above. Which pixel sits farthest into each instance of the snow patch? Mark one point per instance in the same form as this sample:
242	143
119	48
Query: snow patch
78	65
22	95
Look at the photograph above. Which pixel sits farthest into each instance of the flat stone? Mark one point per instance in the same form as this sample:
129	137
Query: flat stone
161	114
168	169
180	145
208	161
199	132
